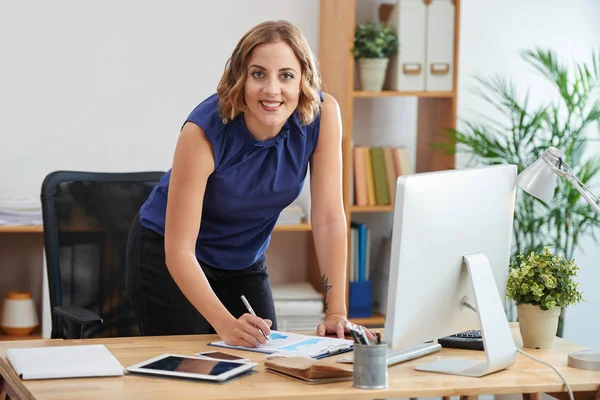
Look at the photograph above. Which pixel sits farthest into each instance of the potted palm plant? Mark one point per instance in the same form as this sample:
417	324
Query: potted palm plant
374	43
541	284
521	132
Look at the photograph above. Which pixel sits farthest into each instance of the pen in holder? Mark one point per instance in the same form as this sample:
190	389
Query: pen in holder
370	366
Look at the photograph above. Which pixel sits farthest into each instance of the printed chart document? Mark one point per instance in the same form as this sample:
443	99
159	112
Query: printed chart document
311	346
64	362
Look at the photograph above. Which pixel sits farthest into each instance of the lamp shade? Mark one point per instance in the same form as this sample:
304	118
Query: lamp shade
539	179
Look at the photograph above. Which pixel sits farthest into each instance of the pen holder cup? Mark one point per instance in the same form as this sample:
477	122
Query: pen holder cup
370	366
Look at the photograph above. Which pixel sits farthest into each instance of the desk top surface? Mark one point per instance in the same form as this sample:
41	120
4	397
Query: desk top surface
526	376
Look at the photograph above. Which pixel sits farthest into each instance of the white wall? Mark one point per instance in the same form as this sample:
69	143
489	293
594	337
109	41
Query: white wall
492	33
105	86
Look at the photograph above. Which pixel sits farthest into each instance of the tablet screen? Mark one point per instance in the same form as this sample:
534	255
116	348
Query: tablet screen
191	365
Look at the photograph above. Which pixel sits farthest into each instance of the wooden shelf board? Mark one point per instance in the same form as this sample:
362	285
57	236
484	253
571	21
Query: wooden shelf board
21	229
374	320
396	93
303	227
33	336
385	208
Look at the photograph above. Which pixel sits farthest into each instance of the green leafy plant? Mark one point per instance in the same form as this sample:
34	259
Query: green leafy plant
522	133
544	280
374	40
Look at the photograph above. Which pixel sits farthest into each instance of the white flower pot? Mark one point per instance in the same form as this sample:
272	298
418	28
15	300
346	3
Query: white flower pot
372	73
538	327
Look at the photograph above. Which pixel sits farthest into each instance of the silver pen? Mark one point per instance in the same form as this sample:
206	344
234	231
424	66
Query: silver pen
363	335
251	311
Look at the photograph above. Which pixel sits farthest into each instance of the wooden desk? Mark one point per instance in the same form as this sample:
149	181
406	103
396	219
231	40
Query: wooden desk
526	376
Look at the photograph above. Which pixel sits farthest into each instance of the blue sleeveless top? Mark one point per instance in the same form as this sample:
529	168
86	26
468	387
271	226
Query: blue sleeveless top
252	183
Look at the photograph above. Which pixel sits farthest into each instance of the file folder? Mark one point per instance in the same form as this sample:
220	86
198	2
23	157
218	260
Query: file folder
440	46
407	68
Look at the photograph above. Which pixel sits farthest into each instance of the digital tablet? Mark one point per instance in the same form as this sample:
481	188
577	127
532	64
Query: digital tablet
191	367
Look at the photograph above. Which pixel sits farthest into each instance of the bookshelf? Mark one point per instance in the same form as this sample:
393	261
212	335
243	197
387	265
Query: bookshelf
395	93
375	320
302	227
21	229
385	208
436	111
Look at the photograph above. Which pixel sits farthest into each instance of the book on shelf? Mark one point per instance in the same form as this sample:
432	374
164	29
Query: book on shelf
375	170
360	245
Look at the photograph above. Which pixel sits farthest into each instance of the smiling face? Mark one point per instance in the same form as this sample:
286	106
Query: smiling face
272	88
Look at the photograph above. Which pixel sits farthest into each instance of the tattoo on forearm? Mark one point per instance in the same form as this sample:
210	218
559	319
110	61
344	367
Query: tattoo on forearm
326	287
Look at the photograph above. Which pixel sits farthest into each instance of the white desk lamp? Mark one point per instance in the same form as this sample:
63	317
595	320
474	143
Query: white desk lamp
539	180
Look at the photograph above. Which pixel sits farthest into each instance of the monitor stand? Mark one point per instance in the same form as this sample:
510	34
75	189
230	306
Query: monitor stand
498	342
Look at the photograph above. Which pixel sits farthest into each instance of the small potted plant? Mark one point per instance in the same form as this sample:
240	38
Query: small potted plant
374	43
541	284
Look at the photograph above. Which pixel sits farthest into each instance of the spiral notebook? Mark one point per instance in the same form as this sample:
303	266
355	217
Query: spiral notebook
312	346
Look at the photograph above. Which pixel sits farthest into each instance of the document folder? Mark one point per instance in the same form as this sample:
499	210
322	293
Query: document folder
407	68
440	46
293	343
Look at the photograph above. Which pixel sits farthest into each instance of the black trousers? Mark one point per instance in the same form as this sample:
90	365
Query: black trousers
160	306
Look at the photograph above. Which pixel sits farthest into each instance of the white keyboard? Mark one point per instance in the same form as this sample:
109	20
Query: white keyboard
402	355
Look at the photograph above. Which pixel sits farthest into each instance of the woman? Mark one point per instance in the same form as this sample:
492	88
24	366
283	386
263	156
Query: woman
242	155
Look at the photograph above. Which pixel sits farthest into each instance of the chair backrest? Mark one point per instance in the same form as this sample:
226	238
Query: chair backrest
86	219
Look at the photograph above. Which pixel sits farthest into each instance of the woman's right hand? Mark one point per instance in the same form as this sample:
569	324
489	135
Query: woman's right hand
244	331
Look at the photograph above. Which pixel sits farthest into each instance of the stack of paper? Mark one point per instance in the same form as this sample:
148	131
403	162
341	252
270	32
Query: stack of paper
298	306
20	211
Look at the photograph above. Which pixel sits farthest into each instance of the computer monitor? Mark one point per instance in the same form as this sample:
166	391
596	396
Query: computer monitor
450	251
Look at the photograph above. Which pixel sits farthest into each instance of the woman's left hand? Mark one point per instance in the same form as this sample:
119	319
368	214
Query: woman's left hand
336	324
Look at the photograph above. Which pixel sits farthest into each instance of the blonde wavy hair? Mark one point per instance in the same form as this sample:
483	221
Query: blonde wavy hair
231	87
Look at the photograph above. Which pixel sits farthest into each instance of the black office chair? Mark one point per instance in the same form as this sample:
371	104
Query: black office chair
86	219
